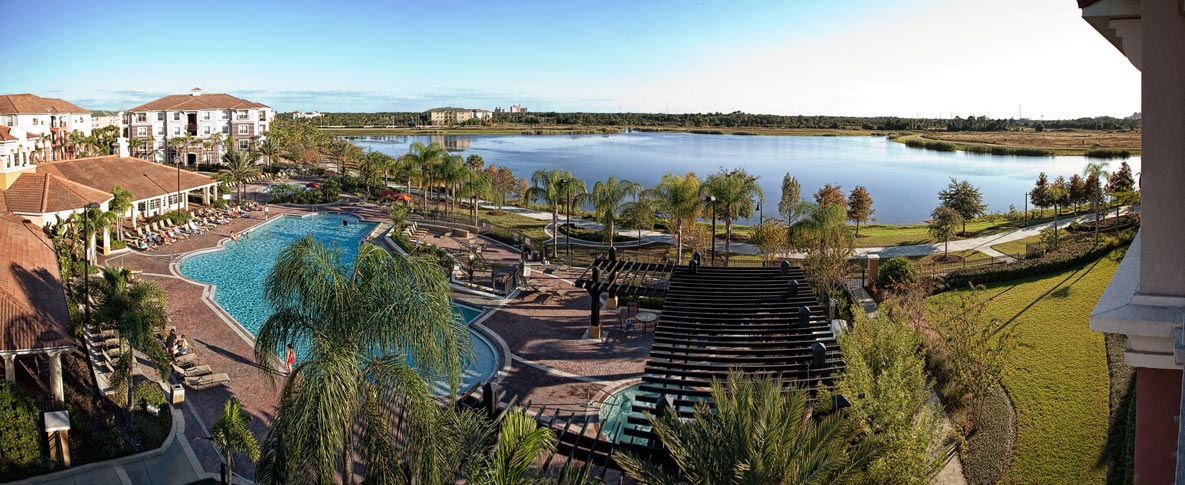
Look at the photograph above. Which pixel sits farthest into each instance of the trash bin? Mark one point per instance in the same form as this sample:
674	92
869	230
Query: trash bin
178	395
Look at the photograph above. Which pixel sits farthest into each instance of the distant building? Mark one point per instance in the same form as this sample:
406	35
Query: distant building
518	108
298	115
153	124
107	119
49	120
453	116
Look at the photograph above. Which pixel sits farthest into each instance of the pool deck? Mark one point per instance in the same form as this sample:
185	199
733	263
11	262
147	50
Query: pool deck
539	331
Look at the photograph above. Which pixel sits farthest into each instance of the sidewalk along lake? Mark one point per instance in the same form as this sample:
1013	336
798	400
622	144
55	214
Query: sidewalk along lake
904	182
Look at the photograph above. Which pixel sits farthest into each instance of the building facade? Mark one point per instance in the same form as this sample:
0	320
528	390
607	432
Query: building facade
49	120
299	115
454	116
209	124
1145	300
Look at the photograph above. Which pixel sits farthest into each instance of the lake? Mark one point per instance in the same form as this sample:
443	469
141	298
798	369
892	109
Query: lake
904	182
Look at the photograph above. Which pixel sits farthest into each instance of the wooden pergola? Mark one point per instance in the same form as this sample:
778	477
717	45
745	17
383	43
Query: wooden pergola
617	277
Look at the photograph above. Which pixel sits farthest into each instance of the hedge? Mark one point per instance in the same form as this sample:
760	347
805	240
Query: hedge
1073	251
148	393
20	436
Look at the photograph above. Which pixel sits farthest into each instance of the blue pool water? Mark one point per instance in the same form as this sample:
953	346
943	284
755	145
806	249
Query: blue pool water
239	269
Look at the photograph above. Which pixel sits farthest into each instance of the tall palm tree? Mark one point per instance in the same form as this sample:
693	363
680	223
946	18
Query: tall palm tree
136	309
476	186
678	199
405	169
1098	170
230	435
93	222
734	191
240	166
452	174
475	163
121	201
545	187
269	150
608	198
371	167
758	433
574	193
358	326
425	159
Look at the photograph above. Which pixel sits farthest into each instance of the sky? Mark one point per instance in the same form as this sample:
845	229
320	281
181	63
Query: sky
928	58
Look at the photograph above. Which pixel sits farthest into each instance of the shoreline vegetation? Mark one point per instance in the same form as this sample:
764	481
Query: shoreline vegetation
1089	143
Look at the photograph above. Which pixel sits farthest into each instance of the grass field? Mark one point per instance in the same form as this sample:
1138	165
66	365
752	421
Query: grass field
1058	379
525	129
1057	143
1019	246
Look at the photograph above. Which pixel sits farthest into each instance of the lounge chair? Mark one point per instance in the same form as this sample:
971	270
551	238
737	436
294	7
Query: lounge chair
195	371
208	380
187	360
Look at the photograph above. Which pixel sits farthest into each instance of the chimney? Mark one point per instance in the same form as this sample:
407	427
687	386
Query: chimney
195	92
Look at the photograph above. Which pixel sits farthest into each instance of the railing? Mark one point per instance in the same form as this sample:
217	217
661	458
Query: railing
934	268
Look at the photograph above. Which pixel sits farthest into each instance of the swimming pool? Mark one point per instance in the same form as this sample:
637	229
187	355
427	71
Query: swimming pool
619	407
239	269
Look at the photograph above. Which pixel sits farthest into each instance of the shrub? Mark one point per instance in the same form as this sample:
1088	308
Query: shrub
938	146
175	217
295	194
988	450
1073	251
896	271
1108	153
20	436
148	393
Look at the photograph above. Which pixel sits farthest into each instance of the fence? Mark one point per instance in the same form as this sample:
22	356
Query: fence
937	268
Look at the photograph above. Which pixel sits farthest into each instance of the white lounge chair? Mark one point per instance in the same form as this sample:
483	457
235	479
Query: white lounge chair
208	380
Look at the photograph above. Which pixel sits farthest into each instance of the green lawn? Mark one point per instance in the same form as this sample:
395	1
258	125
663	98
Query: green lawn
1016	247
1058	379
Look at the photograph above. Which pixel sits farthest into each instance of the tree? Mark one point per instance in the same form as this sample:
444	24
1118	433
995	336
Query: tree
885	381
1076	188
452	173
639	214
371	168
608	197
1040	193
822	233
965	199
572	193
859	207
136	310
92	222
769	237
240	166
269	150
475	163
121	201
475	186
757	433
896	272
545	187
522	191
1059	196
830	194
1095	172
734	191
424	158
20	437
398	215
502	183
791	198
230	435
358	326
1121	186
943	223
678	200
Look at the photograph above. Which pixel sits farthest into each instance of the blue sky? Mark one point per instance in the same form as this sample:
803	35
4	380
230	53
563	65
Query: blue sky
855	57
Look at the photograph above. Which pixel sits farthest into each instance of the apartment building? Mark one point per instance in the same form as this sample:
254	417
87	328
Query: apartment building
49	121
452	116
238	123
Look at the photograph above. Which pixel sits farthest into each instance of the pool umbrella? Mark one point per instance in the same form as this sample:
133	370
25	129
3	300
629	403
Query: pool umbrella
403	198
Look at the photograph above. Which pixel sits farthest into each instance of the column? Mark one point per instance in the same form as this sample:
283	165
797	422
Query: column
10	368
135	213
106	240
206	196
55	376
90	247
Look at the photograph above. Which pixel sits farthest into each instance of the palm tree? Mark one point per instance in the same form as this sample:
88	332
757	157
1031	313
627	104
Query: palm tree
608	197
734	191
405	169
136	309
371	167
545	187
425	158
678	201
121	201
819	225
476	186
230	435
240	166
452	173
639	214
475	163
1098	170
93	222
269	150
574	194
358	326
758	433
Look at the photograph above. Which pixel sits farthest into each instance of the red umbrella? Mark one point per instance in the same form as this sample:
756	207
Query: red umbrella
403	197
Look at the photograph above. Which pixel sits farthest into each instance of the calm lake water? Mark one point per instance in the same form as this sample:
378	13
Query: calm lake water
904	182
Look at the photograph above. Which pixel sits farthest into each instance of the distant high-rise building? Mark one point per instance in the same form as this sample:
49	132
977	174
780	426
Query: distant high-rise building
518	108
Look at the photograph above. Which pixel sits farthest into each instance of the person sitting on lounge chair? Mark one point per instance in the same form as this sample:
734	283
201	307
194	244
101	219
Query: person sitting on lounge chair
182	346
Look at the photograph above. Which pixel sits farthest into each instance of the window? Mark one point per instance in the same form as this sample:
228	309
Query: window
141	117
263	116
206	115
225	129
9	120
176	116
206	130
173	198
244	144
244	129
224	115
242	115
161	132
262	128
142	131
160	116
176	130
153	204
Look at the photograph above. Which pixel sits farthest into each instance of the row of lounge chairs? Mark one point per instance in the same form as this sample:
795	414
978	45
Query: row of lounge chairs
164	233
188	369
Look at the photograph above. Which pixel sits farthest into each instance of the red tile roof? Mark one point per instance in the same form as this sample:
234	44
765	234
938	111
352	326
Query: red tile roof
32	104
6	134
42	193
33	309
142	178
189	102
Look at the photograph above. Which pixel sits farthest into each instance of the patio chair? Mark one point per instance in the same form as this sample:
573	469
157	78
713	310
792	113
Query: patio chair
195	371
208	380
187	360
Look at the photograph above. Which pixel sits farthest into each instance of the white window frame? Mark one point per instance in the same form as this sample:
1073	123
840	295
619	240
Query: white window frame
141	131
207	130
244	129
141	117
244	144
176	131
160	116
205	116
176	116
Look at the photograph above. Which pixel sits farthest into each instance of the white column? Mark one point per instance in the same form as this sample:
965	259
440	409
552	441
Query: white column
55	376
135	213
10	368
106	240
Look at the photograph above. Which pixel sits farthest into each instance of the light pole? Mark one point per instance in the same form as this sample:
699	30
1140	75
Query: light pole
711	199
86	261
472	258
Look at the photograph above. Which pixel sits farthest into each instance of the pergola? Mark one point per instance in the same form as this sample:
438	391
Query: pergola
617	277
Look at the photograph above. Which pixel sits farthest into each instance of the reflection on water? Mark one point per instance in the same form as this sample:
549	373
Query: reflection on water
904	182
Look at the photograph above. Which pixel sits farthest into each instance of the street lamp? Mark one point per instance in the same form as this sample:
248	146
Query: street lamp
711	199
86	260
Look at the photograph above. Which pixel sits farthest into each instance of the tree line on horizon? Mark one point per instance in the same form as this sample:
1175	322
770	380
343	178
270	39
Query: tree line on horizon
738	119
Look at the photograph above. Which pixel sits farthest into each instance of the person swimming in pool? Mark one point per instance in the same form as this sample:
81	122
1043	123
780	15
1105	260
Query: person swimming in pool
345	223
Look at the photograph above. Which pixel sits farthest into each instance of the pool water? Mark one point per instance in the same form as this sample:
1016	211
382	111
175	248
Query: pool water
619	407
239	269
